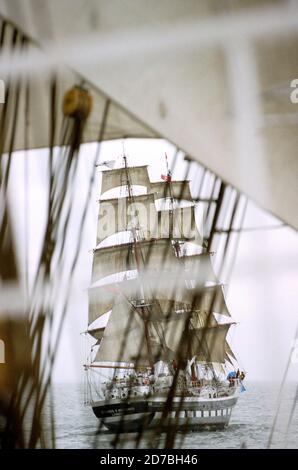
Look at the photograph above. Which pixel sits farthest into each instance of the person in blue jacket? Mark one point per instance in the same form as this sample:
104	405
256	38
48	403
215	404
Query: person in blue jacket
231	378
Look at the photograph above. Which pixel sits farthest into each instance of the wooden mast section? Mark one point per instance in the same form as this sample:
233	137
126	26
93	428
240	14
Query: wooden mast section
145	313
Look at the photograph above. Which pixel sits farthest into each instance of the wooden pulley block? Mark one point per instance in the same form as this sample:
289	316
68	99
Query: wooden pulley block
77	103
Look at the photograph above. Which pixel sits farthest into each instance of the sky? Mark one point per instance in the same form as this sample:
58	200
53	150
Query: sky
262	294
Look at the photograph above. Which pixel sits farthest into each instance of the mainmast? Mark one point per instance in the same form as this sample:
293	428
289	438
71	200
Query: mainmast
171	214
144	310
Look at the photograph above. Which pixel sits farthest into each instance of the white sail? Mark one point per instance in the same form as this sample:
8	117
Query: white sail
152	256
137	175
122	214
203	319
183	224
166	284
139	215
120	124
97	333
199	268
124	339
175	189
207	344
101	300
229	351
154	290
213	300
161	302
130	256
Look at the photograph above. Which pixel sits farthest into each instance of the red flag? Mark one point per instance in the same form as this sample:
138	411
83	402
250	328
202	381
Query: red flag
167	177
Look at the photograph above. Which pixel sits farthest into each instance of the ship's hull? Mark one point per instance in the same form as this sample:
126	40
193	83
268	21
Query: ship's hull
193	413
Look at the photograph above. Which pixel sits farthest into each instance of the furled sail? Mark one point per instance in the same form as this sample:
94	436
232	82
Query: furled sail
137	175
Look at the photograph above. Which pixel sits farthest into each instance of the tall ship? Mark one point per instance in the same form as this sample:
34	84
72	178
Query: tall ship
157	312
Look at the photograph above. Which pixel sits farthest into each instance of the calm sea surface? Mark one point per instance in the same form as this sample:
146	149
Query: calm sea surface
250	425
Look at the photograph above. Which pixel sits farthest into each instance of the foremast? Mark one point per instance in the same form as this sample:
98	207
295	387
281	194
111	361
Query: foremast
143	308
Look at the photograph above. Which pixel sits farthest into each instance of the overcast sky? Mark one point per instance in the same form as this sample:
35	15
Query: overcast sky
262	293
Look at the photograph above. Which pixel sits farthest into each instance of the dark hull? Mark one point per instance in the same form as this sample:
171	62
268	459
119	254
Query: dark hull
124	417
193	414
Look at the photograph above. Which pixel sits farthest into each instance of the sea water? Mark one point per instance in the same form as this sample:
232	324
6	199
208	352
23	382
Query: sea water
250	426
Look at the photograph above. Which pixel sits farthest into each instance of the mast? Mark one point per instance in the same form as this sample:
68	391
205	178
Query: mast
169	183
177	250
144	311
162	275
